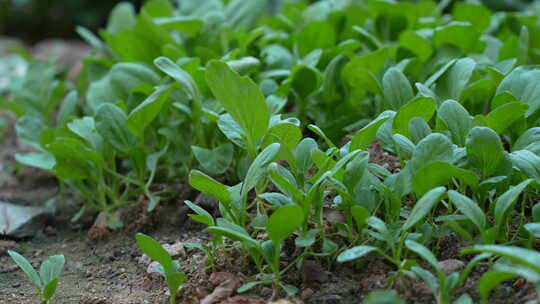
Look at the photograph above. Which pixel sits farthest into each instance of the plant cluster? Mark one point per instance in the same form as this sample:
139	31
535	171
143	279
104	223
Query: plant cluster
273	115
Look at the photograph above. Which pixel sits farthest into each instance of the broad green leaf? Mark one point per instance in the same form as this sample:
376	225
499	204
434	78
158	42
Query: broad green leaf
305	81
527	162
284	181
425	253
232	130
397	88
504	202
491	280
283	222
522	83
423	107
360	216
188	25
243	15
469	208
172	69
49	289
530	140
86	128
423	206
244	65
426	276
434	147
525	257
460	34
503	116
485	152
122	17
202	215
26	267
476	14
303	154
454	81
418	129
210	186
257	170
29	129
51	268
154	250
110	123
126	76
355	253
147	111
41	160
364	137
457	120
440	173
361	71
404	147
315	35
288	135
383	297
235	235
533	229
174	281
241	98
417	44
217	160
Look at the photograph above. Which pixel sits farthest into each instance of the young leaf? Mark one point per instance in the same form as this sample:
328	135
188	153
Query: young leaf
170	68
240	97
51	268
434	147
457	120
355	253
257	170
110	123
425	253
154	250
202	215
147	111
397	88
423	107
215	161
441	173
507	200
210	186
470	208
49	289
283	222
423	207
521	83
363	138
383	297
485	151
27	268
526	257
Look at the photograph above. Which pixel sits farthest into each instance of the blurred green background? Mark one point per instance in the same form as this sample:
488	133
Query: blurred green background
34	20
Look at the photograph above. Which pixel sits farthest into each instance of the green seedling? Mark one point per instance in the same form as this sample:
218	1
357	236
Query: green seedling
514	262
442	285
169	269
46	281
266	254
